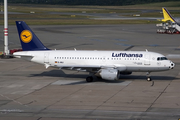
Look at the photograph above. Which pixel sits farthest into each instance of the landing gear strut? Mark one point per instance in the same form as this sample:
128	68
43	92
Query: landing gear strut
148	77
89	79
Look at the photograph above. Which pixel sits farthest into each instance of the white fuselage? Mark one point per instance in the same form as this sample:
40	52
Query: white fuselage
132	61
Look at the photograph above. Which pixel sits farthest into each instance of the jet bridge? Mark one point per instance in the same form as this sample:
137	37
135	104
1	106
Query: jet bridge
168	28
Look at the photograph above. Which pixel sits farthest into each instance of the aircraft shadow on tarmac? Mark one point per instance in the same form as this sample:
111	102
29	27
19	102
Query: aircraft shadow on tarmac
61	73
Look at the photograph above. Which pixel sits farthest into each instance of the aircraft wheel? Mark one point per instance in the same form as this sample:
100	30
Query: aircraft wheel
148	79
89	79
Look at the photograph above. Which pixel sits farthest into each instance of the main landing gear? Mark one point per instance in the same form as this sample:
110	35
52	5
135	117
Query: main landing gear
89	79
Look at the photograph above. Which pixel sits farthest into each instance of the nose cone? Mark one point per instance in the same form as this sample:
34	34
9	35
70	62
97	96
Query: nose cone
172	65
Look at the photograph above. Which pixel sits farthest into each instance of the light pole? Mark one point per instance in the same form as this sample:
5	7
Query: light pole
6	50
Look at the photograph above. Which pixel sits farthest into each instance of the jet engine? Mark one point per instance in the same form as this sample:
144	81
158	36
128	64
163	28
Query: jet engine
109	74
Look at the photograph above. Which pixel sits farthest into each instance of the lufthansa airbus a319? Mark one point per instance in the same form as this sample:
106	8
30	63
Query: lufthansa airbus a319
109	65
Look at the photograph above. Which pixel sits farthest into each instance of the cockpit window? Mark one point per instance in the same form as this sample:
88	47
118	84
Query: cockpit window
161	58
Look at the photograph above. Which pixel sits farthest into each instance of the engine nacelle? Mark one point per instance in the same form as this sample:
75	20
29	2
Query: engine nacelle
109	74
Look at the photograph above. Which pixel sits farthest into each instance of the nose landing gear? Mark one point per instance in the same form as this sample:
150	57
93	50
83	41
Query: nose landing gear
148	77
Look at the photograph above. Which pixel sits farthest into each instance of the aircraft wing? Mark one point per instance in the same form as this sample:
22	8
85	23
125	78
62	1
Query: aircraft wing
94	68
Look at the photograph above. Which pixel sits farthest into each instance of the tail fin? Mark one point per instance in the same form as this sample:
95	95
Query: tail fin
167	16
29	41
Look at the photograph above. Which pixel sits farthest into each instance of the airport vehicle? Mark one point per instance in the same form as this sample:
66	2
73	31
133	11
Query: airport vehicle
108	65
169	25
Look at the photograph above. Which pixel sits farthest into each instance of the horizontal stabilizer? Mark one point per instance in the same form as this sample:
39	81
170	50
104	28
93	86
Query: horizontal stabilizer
23	55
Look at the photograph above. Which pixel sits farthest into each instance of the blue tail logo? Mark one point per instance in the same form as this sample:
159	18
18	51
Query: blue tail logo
29	41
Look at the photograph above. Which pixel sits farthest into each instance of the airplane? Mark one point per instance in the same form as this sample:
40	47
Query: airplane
168	17
169	25
109	65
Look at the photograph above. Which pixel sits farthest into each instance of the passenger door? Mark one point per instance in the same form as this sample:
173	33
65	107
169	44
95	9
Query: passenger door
46	57
147	60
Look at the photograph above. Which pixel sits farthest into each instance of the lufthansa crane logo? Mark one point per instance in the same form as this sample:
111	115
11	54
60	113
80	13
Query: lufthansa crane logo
26	36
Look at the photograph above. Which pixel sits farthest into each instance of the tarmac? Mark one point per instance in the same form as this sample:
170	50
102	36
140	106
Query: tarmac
29	91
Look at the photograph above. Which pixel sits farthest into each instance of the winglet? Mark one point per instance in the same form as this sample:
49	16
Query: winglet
167	16
29	41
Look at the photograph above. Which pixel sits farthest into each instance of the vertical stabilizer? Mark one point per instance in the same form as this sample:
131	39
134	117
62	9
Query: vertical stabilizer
29	41
167	16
